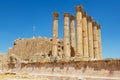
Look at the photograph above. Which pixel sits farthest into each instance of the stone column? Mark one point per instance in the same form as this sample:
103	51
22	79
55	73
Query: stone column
10	52
85	36
95	40
99	42
72	35
66	36
90	38
79	38
55	34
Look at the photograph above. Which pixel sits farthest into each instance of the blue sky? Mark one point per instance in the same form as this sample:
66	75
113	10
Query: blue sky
17	17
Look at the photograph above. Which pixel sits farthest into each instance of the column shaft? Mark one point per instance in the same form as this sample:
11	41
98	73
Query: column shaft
99	42
90	38
72	35
10	52
95	40
79	39
85	35
66	36
55	35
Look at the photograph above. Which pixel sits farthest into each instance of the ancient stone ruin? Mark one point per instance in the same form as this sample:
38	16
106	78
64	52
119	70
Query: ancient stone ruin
78	55
33	49
83	43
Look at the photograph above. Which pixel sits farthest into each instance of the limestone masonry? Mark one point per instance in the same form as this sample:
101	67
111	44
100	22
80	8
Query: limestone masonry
78	56
80	43
33	49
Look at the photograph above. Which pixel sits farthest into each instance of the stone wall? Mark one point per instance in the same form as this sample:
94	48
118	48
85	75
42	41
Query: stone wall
103	68
33	48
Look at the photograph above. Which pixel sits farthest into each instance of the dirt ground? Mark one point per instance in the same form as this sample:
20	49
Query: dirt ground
20	77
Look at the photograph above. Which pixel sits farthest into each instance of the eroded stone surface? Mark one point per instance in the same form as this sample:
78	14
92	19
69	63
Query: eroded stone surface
34	49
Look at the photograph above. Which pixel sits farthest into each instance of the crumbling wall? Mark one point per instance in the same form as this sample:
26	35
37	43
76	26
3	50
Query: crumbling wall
90	68
33	48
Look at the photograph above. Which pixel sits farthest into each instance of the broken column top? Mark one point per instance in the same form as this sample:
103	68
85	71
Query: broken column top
78	8
98	26
66	14
55	14
94	23
72	17
84	14
89	19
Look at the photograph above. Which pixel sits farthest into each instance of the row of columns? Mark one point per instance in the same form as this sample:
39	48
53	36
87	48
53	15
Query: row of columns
86	43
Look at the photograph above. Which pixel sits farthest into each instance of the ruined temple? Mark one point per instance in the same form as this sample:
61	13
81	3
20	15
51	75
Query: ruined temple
80	42
78	56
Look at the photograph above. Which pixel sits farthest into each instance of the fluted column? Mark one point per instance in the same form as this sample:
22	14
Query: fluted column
95	40
99	42
66	36
55	35
90	38
85	35
72	35
79	38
